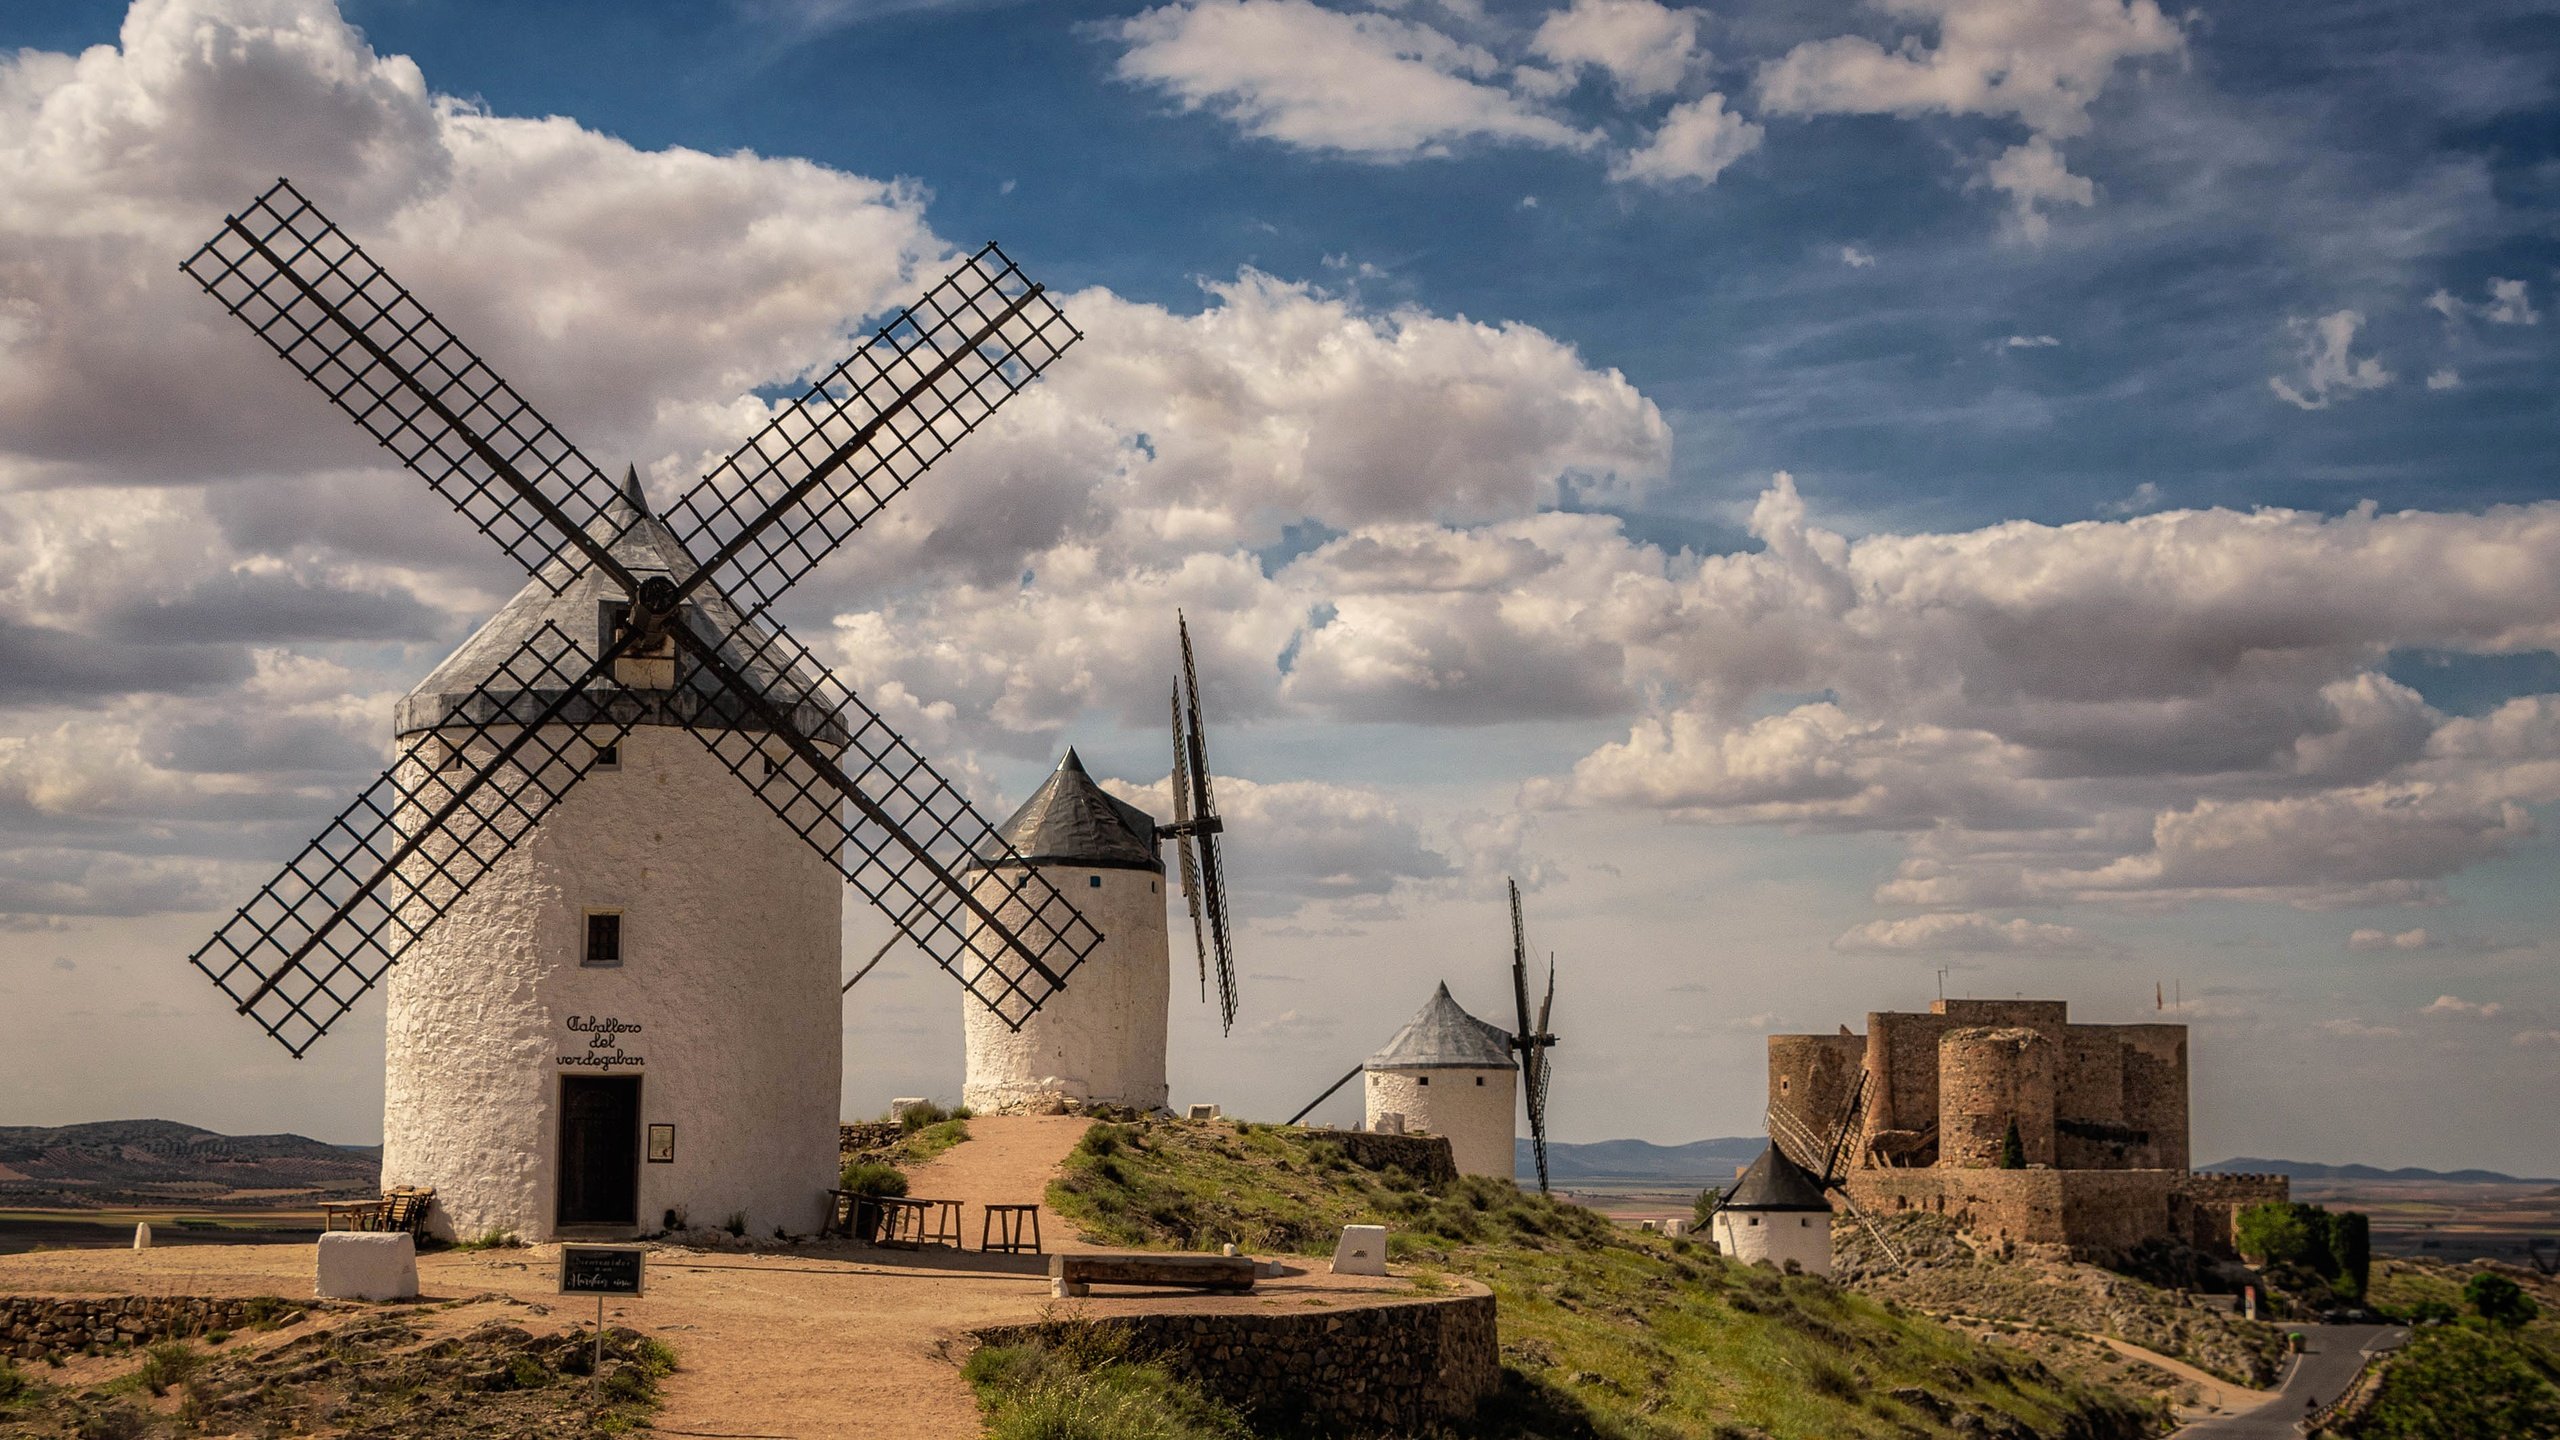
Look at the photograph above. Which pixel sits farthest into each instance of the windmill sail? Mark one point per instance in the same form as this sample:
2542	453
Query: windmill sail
405	852
1196	823
1531	1039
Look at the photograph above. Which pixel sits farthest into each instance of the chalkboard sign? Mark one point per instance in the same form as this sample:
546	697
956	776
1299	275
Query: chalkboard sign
600	1269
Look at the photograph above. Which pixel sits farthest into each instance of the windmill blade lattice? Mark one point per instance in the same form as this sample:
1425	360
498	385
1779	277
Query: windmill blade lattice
1195	808
324	930
1532	1040
830	460
1190	862
399	858
914	842
319	301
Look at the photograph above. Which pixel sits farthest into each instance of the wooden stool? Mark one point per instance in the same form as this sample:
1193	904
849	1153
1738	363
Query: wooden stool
938	1222
1005	1222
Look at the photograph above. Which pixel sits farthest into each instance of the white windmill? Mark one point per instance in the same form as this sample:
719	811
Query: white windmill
608	857
1103	1042
1448	1073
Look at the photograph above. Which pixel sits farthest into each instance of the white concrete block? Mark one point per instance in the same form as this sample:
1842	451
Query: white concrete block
358	1265
1675	1227
1363	1251
142	1236
1387	1123
1204	1112
899	1107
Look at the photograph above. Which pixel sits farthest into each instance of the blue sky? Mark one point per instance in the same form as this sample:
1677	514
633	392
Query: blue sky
2161	587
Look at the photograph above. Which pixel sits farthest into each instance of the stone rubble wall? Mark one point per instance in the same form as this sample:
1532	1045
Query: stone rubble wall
2093	1215
865	1137
1426	1158
32	1327
1403	1370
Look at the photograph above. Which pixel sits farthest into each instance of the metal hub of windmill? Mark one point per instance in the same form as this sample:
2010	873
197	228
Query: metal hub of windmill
698	648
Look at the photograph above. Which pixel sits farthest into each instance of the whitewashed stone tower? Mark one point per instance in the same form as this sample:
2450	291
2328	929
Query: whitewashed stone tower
1101	1040
635	1013
1448	1073
1776	1212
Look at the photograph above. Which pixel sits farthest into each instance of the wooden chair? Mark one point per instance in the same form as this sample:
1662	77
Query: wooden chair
405	1208
1004	1223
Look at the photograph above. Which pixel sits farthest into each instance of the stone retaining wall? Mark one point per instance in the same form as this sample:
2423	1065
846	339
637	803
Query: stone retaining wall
1402	1370
33	1327
1427	1158
866	1136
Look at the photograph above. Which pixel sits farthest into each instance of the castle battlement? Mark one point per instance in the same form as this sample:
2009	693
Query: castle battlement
2098	1114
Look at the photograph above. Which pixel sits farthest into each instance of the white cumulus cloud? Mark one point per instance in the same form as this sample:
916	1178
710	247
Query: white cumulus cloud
1366	85
1644	46
2330	369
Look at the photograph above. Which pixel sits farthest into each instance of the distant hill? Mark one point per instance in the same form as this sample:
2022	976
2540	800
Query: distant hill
1698	1163
126	1162
2311	1170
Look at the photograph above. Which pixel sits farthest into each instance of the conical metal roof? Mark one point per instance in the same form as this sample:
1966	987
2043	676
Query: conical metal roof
1070	820
1444	1037
582	607
1775	1182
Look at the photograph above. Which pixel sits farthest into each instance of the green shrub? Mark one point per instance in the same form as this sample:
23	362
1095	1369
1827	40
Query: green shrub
13	1382
870	1177
2457	1383
2499	1300
168	1363
1703	1212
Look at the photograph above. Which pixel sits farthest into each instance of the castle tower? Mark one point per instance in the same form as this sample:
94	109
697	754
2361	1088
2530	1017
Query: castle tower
635	1013
1448	1073
1776	1212
1101	1040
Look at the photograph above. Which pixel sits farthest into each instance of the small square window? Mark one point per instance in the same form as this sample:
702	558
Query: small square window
608	757
453	760
1093	882
604	938
1421	1079
771	765
1479	1080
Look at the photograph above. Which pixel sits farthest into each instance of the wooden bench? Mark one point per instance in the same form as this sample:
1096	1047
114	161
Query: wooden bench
1000	1230
1225	1274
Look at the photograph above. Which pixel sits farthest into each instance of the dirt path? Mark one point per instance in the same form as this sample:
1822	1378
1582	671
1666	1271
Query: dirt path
2215	1395
1007	1160
782	1344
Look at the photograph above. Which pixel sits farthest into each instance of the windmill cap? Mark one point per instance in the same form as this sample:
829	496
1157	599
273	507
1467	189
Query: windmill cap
574	594
1775	1182
1442	1036
1070	820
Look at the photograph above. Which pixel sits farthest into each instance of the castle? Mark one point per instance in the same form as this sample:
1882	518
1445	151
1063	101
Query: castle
2024	1127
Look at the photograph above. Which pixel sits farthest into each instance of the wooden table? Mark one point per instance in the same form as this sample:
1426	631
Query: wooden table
1004	1222
911	1223
354	1214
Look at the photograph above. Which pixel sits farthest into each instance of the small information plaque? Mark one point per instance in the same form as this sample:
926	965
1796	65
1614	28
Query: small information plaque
662	1144
601	1269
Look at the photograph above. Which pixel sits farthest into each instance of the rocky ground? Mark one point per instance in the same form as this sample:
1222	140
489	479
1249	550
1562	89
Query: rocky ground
1943	1274
401	1373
